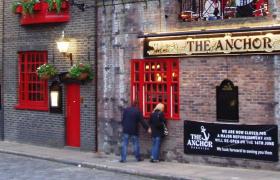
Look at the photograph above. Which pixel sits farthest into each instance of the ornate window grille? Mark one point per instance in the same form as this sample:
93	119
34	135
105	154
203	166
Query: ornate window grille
194	10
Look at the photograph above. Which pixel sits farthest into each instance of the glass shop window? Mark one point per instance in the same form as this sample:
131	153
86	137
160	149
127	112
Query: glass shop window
156	81
195	10
32	92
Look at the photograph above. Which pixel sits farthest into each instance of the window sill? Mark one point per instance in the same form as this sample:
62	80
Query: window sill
21	107
167	118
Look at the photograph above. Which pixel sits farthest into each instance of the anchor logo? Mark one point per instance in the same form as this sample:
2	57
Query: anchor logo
203	131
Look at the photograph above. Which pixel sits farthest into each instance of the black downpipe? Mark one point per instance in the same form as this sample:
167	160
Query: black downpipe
2	74
96	74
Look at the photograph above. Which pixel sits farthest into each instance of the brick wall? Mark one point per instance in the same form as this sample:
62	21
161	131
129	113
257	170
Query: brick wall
255	76
43	127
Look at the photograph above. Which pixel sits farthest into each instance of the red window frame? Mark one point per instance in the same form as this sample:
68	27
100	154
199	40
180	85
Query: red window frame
32	92
154	81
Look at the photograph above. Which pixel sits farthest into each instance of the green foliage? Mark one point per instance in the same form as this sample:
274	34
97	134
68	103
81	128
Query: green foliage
27	5
77	69
46	69
54	4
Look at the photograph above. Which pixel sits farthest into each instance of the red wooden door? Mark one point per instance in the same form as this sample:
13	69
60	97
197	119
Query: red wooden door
73	115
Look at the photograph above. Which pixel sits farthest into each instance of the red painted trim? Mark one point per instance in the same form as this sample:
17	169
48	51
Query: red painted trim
42	14
19	10
156	92
35	108
73	115
32	92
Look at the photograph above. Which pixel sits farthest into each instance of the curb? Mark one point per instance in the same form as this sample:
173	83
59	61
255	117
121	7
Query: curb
100	167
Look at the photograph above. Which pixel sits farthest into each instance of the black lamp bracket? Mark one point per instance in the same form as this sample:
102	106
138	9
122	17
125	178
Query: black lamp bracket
80	6
69	55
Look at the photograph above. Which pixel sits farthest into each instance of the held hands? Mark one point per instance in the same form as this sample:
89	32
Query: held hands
149	130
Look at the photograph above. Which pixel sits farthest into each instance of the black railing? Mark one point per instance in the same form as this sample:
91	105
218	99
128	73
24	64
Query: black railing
195	10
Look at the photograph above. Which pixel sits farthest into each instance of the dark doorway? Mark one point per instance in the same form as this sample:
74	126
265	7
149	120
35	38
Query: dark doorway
227	102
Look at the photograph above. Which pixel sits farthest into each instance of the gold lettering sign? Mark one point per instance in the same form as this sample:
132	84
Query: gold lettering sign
223	45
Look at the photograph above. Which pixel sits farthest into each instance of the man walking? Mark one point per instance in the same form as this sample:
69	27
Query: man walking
130	122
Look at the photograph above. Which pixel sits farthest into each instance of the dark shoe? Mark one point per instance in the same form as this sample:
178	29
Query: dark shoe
140	159
153	161
122	161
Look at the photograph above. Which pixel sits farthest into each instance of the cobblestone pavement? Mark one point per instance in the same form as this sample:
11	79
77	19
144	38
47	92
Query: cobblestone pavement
13	167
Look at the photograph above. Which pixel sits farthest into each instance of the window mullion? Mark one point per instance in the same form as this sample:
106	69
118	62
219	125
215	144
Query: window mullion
169	84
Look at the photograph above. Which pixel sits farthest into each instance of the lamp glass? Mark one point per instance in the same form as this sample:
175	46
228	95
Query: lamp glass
54	98
63	46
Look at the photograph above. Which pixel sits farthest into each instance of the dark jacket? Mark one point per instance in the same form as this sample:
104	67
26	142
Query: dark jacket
131	119
156	123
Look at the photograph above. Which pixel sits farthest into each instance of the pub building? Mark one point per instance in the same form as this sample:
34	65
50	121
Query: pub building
214	64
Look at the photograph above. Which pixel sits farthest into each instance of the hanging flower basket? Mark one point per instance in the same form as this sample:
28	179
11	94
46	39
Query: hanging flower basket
42	11
45	77
83	76
78	74
81	72
46	71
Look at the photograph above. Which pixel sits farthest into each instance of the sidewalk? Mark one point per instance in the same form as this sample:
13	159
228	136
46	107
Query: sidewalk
162	170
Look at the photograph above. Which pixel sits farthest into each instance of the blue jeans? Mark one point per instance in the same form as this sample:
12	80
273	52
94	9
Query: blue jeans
155	148
136	147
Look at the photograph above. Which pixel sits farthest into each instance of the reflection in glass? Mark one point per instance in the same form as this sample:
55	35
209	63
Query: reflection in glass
153	66
158	66
147	67
159	77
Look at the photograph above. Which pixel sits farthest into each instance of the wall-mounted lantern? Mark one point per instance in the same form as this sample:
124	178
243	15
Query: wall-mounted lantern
63	46
55	97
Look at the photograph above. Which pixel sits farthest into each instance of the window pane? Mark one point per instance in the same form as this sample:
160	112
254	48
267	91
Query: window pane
165	87
154	88
136	66
148	99
136	76
160	88
149	109
160	98
149	87
147	66
147	77
153	66
158	66
152	77
174	76
176	109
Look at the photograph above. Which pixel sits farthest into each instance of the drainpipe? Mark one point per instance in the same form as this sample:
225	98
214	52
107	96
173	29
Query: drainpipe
96	79
2	74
